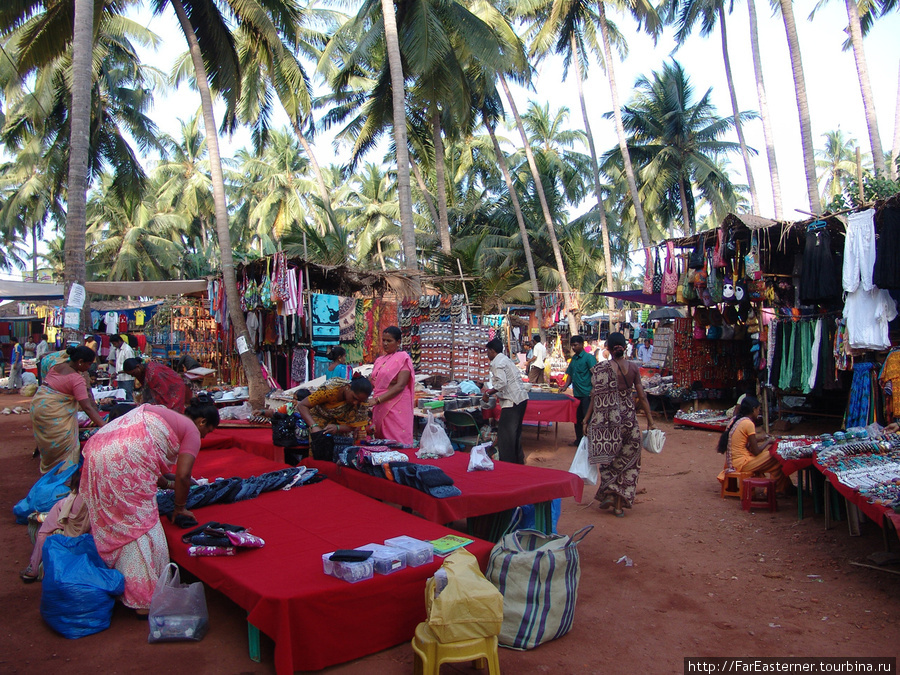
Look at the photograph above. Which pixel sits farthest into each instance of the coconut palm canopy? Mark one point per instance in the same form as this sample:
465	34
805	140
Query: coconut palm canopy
446	169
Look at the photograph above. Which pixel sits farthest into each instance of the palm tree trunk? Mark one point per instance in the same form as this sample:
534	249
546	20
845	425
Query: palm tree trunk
381	255
34	254
398	94
252	369
317	170
809	160
548	221
523	232
764	113
685	213
429	202
862	71
79	147
736	112
595	170
895	152
440	179
620	128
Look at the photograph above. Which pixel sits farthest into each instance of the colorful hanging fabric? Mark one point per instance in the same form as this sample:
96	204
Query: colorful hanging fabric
355	348
347	319
325	313
860	411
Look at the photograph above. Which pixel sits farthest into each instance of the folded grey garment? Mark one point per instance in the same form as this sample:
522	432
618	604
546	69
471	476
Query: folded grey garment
444	491
432	476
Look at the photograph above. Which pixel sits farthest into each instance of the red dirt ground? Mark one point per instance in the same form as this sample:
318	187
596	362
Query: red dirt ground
708	580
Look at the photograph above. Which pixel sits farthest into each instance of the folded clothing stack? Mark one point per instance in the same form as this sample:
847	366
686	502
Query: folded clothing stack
429	479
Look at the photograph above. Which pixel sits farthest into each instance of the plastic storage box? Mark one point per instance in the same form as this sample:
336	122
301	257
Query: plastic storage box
418	552
348	571
387	559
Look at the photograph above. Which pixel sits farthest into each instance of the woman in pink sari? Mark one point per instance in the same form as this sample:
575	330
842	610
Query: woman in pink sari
394	393
124	464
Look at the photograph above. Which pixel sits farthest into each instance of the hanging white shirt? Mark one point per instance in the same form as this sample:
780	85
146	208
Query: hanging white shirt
868	314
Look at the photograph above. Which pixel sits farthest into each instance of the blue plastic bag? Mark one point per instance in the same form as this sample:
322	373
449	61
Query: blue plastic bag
79	590
49	489
527	522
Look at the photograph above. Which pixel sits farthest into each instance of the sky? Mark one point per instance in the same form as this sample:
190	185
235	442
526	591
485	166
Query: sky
831	80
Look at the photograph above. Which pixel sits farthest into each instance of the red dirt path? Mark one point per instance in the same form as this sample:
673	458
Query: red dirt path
708	580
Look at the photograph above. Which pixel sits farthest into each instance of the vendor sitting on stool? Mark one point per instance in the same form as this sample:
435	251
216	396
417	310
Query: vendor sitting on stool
335	409
747	451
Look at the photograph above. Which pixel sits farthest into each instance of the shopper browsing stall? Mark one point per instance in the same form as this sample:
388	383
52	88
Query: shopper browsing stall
123	352
338	364
612	427
535	363
578	374
645	352
15	364
123	466
159	384
506	383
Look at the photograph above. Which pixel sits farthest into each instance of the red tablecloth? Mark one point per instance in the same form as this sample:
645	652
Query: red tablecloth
561	409
315	620
483	492
875	512
256	441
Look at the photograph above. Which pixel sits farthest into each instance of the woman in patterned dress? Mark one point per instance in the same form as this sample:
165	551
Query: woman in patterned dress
124	464
613	433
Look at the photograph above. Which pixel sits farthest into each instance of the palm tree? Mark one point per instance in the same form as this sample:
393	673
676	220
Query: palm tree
764	112
895	152
373	214
837	160
686	13
809	163
675	142
216	62
854	11
573	24
130	238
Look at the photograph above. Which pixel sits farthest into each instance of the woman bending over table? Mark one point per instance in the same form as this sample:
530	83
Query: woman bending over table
54	408
395	387
745	450
335	409
124	464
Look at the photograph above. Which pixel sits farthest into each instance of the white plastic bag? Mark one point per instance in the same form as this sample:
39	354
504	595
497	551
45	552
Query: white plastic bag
654	440
236	412
581	465
177	611
479	460
434	439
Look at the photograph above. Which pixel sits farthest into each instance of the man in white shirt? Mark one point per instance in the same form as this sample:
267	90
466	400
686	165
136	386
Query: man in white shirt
124	352
535	364
506	381
40	351
645	353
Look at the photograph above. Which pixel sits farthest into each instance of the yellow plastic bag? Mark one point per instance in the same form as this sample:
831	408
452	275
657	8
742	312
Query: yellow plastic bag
468	607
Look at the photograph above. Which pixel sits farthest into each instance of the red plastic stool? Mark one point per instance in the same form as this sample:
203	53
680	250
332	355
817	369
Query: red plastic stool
747	500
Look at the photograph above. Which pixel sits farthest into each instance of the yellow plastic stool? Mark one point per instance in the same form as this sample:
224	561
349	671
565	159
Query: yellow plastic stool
733	484
430	654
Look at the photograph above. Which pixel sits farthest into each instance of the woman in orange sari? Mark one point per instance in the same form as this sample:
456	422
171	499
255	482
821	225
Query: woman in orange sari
395	385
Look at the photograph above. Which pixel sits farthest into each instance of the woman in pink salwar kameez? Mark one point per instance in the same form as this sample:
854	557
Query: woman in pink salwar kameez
124	464
394	395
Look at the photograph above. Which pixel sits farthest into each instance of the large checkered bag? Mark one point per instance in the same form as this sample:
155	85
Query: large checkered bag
538	576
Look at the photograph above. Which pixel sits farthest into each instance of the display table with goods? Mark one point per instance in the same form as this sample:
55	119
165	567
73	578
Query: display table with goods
545	407
483	493
708	420
315	620
866	473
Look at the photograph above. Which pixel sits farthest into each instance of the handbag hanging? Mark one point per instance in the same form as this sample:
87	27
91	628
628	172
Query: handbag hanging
719	252
714	282
751	260
698	255
670	272
648	274
657	274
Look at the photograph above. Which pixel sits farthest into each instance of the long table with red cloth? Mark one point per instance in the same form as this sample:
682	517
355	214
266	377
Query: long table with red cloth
315	620
545	408
875	512
483	492
789	466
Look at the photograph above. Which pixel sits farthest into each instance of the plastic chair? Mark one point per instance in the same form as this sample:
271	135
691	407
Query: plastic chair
748	485
429	654
731	486
460	421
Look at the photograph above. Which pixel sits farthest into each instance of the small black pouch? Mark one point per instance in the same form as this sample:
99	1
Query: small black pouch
349	555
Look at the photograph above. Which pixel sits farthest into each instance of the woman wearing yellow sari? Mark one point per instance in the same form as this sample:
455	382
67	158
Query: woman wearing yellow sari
335	409
55	406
